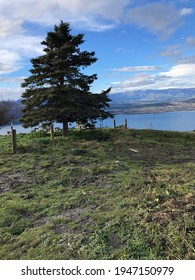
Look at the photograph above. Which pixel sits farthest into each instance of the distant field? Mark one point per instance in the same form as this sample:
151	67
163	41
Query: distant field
98	194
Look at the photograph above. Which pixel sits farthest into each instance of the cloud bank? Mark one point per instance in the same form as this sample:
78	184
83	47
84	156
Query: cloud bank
159	18
97	16
179	76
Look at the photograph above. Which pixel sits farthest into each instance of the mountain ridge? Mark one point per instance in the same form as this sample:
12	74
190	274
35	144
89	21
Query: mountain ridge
150	95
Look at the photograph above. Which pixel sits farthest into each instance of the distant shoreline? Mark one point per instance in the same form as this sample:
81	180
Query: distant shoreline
154	109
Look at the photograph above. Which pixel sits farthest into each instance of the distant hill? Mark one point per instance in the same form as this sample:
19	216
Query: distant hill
191	100
166	95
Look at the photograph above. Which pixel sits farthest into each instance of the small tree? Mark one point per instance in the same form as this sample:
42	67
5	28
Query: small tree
57	90
6	112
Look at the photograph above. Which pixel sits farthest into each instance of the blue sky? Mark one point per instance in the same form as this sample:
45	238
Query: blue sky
139	44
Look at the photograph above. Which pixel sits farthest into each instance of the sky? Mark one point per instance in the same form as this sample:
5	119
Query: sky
139	44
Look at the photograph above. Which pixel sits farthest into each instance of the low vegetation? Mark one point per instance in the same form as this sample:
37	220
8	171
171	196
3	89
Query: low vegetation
98	194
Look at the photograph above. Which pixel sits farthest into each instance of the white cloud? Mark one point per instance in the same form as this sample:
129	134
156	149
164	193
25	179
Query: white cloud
139	80
15	80
9	61
181	70
19	44
172	51
8	68
136	68
91	15
23	45
159	18
179	76
10	87
121	50
15	49
186	11
9	26
135	82
186	60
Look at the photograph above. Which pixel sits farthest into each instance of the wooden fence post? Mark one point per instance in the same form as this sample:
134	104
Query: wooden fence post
14	144
52	132
125	124
114	123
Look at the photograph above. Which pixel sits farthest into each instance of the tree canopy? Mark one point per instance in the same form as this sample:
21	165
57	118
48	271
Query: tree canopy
57	90
6	112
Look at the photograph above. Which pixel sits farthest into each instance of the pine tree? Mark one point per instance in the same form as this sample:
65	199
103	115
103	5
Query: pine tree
57	90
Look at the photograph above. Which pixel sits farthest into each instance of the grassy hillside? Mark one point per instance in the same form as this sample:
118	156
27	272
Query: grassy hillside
98	194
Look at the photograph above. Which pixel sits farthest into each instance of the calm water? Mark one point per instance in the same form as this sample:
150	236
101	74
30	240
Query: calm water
175	121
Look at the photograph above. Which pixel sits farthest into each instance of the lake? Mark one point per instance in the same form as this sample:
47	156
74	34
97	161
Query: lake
172	121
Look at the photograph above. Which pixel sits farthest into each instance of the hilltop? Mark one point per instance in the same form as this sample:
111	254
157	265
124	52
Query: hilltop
98	194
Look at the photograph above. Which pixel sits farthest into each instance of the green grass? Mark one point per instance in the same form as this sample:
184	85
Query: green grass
89	196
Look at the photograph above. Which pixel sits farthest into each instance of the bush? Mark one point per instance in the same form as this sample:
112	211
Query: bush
92	135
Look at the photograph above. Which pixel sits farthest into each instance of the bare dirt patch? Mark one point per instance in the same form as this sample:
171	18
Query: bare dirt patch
11	181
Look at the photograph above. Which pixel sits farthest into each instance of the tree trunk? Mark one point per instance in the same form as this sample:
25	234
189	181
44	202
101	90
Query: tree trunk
65	127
